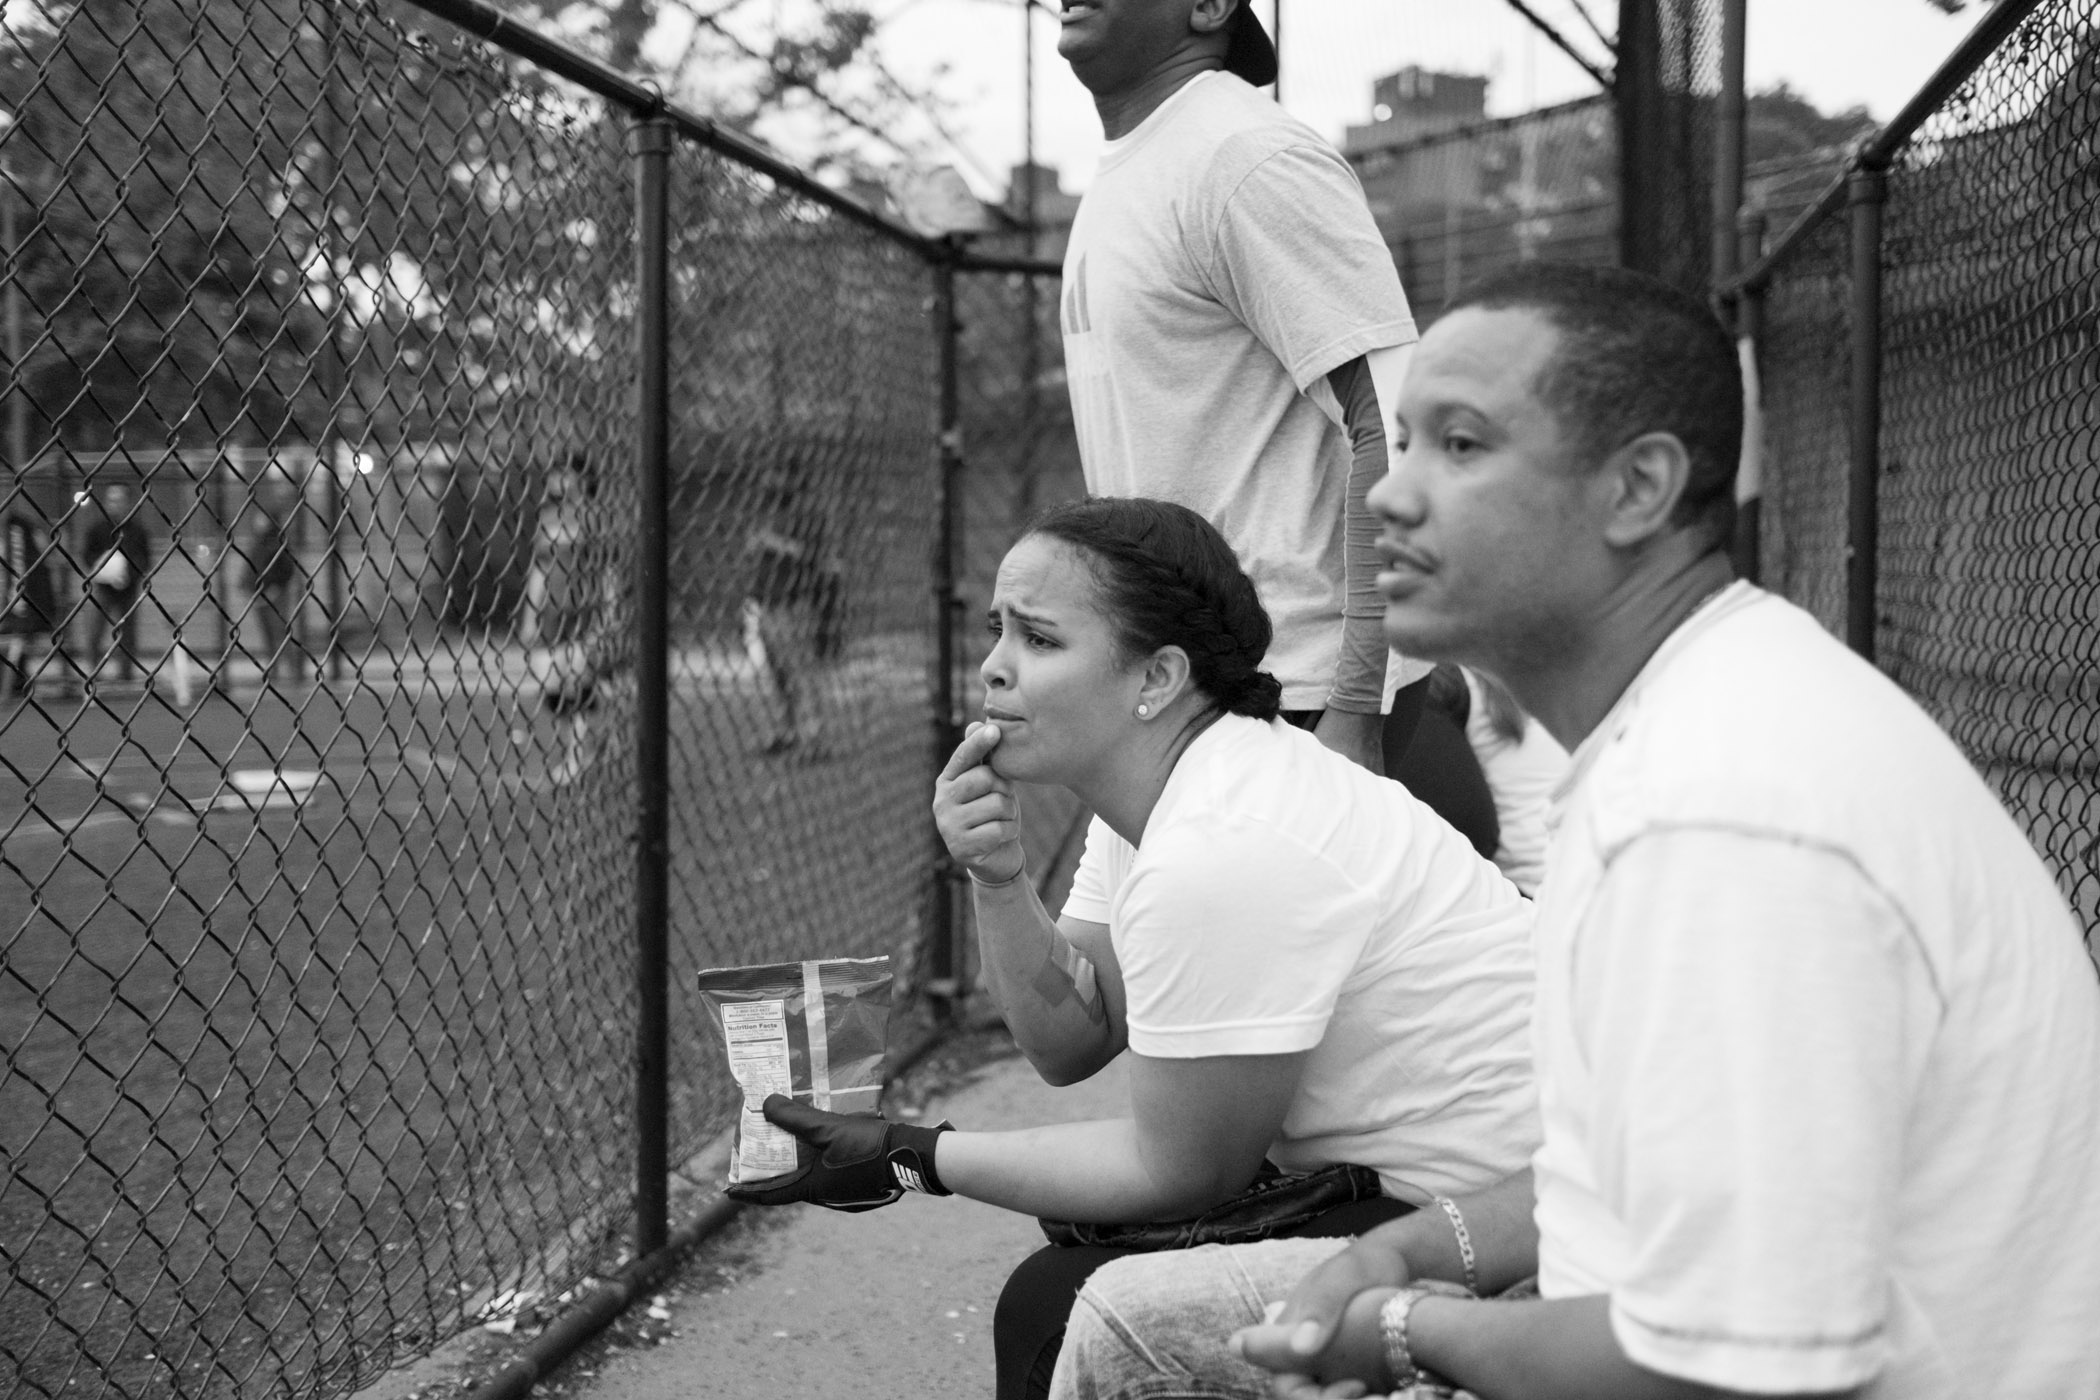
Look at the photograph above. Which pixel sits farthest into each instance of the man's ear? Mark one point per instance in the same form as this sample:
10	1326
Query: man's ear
1646	478
1166	678
1210	16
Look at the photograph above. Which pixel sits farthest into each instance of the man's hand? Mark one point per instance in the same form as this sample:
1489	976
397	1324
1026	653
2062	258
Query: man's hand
846	1161
1345	1290
1358	738
977	812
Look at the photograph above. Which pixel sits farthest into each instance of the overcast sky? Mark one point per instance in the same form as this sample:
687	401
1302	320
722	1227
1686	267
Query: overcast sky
1840	53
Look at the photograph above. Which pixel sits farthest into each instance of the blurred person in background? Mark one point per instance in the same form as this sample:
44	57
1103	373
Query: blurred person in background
119	554
276	586
579	539
792	609
28	601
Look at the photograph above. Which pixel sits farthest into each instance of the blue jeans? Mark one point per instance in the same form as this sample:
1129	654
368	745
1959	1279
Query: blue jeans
1154	1326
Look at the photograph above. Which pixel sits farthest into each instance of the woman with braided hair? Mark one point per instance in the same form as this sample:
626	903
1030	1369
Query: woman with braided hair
1323	989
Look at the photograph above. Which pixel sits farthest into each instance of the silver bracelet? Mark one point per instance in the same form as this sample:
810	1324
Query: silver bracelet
1465	1243
985	884
1392	1330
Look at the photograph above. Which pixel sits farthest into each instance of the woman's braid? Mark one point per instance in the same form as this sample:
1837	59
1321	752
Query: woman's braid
1168	578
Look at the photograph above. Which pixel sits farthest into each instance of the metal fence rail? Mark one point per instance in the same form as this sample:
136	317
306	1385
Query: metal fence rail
462	517
1930	347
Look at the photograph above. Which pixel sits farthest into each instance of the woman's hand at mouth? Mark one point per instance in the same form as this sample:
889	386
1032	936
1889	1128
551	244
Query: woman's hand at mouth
977	812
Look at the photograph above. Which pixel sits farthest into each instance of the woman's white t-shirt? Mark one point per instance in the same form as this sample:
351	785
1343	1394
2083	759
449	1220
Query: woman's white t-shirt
1284	899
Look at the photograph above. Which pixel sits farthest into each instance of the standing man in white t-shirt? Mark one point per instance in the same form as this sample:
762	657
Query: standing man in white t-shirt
1234	332
1816	1037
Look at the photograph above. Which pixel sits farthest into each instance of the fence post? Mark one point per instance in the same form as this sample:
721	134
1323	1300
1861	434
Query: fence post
1866	190
1750	332
1728	144
1637	100
652	688
946	962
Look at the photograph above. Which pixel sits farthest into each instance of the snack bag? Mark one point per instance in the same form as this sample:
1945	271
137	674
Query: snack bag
812	1030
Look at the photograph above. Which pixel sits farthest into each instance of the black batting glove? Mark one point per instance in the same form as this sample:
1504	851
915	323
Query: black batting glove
846	1161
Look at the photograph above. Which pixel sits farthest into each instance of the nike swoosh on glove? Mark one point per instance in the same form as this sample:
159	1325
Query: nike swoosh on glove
846	1161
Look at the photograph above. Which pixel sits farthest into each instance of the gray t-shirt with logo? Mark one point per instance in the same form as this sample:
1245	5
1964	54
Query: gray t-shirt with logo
1222	263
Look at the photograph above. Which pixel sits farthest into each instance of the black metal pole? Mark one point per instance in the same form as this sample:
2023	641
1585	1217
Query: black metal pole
652	1166
1728	144
1637	100
1866	192
1750	329
946	932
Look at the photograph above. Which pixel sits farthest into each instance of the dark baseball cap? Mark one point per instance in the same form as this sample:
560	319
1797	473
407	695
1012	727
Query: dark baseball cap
1248	51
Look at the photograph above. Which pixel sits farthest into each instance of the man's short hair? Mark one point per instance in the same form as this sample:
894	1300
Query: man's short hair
1635	356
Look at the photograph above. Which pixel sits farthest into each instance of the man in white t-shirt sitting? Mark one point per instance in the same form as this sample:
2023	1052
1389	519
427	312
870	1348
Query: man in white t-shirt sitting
1817	1040
1234	333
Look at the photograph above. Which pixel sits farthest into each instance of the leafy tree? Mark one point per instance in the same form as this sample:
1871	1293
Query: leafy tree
812	82
1780	124
252	220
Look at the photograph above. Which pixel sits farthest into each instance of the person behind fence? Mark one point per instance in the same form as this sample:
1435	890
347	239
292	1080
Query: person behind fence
28	602
1817	1041
1234	329
791	613
597	576
1323	988
119	556
276	585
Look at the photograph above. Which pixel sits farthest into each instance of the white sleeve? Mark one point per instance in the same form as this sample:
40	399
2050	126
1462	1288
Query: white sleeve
1234	940
1091	887
1756	1015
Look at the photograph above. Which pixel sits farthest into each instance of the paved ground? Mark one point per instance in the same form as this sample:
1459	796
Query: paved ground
802	1302
896	1302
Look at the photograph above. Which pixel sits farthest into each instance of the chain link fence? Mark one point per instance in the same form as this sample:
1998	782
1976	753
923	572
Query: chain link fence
1805	367
1982	551
1020	456
1621	178
1467	203
318	773
1668	95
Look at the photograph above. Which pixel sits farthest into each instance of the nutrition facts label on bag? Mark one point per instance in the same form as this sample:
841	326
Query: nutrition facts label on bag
756	1035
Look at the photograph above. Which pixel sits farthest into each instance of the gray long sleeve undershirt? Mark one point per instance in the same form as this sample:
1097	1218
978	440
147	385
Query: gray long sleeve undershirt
1359	675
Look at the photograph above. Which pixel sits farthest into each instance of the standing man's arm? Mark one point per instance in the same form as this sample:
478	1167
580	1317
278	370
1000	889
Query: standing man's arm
1359	395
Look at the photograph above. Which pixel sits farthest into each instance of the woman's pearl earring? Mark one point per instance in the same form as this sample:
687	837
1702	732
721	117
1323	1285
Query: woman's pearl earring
1144	710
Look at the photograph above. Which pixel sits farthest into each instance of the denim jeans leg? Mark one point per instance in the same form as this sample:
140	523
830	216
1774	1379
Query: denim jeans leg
1155	1327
